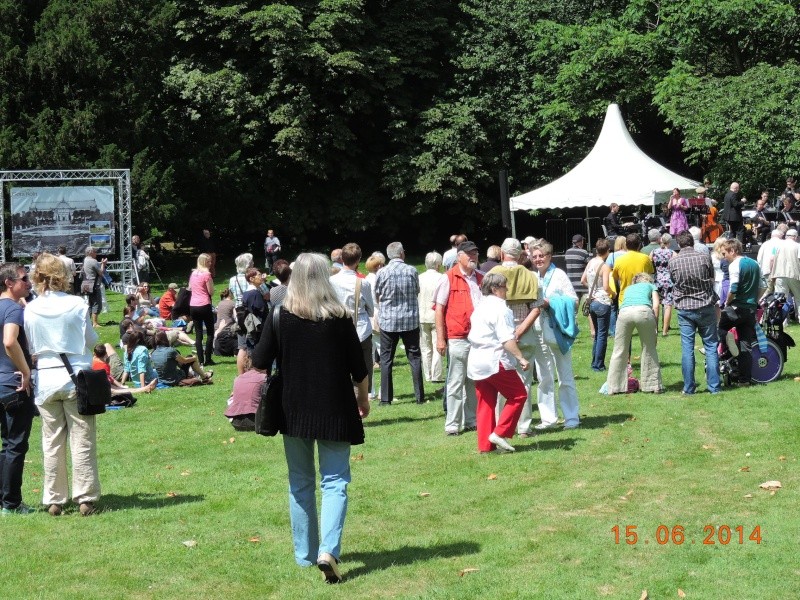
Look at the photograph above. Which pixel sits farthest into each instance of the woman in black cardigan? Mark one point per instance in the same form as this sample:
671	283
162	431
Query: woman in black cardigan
317	336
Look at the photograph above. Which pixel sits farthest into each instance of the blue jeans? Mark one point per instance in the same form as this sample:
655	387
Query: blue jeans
601	318
703	321
334	470
15	425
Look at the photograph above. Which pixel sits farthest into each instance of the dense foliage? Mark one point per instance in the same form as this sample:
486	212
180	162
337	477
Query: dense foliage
325	117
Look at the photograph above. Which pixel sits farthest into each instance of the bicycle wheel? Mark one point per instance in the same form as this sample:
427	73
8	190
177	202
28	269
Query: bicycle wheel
767	366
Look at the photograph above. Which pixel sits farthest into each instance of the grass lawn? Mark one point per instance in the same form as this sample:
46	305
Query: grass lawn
193	509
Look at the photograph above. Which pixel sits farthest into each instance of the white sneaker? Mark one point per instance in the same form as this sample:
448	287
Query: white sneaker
500	442
545	426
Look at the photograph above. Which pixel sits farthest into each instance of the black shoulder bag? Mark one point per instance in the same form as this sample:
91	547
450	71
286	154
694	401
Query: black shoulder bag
269	414
93	388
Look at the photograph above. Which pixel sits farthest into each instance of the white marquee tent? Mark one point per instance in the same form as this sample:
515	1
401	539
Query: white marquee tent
616	170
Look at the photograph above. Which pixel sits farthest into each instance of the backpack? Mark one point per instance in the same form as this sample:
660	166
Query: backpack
226	342
241	316
247	323
181	306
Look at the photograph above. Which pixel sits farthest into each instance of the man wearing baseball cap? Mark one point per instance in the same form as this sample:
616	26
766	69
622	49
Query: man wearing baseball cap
456	298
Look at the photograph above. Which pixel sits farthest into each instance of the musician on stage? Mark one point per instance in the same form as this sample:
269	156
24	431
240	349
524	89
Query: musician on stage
613	224
761	225
711	229
791	191
732	211
785	215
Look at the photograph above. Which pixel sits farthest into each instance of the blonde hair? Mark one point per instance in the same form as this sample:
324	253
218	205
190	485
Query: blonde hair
50	274
544	247
310	294
643	277
717	249
203	261
619	243
375	262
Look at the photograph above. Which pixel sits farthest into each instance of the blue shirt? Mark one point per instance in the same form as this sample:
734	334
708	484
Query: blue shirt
11	314
139	362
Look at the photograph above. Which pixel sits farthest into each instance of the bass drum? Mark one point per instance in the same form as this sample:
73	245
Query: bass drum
767	366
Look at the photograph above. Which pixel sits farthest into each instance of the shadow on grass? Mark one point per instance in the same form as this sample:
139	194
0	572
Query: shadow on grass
601	421
395	420
540	445
145	501
407	555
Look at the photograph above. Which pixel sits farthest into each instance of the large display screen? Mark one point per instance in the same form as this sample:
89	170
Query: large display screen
44	218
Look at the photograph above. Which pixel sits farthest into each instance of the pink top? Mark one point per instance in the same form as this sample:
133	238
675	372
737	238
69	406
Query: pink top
198	284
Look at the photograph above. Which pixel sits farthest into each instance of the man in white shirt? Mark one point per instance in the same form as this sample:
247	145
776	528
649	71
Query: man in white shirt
356	291
69	263
767	252
141	259
449	258
428	282
786	267
698	245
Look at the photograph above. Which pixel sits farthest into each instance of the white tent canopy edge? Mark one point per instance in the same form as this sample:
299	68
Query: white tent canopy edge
615	170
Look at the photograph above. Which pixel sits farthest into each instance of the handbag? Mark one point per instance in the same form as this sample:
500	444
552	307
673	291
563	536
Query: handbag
92	387
585	309
269	414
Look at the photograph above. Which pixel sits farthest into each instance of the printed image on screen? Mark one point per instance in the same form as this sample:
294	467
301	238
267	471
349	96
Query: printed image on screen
44	218
99	227
100	242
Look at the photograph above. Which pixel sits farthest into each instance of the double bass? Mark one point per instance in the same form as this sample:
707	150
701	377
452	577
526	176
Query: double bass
711	229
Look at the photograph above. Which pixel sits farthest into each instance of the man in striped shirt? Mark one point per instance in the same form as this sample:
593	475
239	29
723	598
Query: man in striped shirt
692	275
576	259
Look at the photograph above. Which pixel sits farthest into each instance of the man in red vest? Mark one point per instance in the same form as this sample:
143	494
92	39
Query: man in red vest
456	298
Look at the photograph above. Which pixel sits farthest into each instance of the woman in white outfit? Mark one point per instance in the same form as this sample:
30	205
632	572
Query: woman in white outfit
548	357
57	322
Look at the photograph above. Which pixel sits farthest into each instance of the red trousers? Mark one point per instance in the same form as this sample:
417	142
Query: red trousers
510	385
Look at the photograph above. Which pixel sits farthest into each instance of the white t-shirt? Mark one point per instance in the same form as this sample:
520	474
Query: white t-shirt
492	324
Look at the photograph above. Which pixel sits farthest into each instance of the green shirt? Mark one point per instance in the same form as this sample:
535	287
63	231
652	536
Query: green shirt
638	294
745	277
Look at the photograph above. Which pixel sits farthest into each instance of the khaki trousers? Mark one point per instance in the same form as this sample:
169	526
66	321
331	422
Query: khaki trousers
60	422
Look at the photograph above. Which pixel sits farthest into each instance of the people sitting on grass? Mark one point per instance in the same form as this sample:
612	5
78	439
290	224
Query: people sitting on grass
174	369
145	301
225	310
106	359
243	403
167	301
176	335
138	367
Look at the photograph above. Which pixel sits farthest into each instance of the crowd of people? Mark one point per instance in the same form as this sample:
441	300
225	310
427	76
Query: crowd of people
494	337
